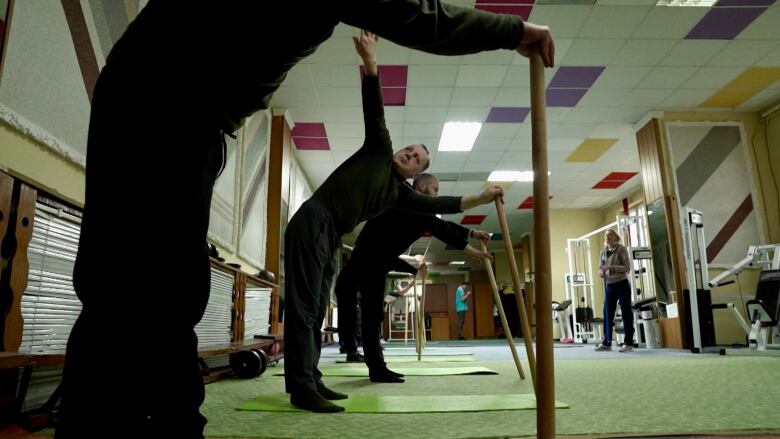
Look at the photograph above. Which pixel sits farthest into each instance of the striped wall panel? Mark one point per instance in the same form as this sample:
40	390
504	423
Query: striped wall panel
711	175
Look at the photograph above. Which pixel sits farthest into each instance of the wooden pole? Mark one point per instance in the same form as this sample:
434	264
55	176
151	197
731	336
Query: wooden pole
545	389
416	324
510	255
500	307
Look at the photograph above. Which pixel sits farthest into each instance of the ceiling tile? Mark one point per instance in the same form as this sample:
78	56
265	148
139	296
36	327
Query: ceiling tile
564	97
492	57
432	75
438	166
480	75
602	97
339	113
492	132
613	130
517	76
345	129
668	23
428	96
643	52
309	129
287	97
612	22
564	20
394	114
463	96
426	114
307	113
723	23
338	95
519	159
313	156
451	156
663	76
693	52
484	156
771	60
422	130
512	97
507	114
556	115
467	114
334	75
419	57
584	114
764	27
481	166
345	143
391	53
563	145
576	76
593	52
645	97
570	130
621	76
335	50
742	53
686	98
298	76
713	77
761	100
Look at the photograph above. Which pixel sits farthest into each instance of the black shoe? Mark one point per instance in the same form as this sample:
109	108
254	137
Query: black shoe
330	394
342	350
384	376
312	401
399	375
355	357
330	329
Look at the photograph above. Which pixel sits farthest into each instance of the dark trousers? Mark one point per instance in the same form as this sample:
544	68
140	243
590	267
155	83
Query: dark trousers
310	243
459	326
131	363
365	281
350	315
618	292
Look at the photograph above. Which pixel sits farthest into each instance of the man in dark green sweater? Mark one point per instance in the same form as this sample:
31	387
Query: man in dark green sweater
178	78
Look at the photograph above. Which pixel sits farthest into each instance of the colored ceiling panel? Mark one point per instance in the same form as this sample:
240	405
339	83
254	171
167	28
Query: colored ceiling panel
743	87
724	23
391	76
394	96
614	180
576	77
505	2
564	97
591	150
473	219
722	3
528	203
312	143
507	114
309	129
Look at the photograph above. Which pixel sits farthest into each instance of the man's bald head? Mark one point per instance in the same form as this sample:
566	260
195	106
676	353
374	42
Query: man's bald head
427	184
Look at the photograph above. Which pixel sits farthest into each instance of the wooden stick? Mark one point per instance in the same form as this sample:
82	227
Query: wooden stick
416	318
510	255
406	320
422	306
500	307
545	390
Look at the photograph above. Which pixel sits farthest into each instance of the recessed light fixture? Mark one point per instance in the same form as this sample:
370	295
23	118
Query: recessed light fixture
457	262
459	136
522	176
688	3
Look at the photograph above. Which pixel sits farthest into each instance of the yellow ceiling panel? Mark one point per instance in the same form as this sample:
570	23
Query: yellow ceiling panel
590	150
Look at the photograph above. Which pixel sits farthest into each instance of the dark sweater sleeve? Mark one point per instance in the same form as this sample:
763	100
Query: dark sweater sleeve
377	135
433	26
448	232
403	266
409	199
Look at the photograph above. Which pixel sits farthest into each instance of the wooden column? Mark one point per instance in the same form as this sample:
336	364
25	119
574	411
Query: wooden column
279	156
545	375
656	184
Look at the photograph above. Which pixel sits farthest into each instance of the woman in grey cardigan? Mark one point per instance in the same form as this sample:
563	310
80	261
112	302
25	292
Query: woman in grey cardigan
615	267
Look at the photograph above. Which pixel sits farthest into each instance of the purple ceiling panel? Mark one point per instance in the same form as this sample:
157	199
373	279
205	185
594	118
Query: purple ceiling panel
723	23
564	97
507	114
576	77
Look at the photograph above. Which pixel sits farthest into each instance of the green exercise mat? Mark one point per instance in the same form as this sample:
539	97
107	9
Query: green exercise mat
362	371
425	359
407	404
436	353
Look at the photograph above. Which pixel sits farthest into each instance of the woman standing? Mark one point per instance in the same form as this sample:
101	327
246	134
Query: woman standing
614	268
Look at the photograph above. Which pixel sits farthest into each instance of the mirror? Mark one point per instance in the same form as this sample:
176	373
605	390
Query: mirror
659	242
6	6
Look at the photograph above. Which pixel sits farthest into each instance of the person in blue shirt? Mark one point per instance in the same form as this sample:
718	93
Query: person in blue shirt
461	307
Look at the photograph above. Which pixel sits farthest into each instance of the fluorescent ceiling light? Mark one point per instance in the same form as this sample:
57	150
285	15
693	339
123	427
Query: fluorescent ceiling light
457	262
459	136
699	3
523	176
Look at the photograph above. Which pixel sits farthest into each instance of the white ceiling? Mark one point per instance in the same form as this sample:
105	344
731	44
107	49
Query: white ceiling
648	66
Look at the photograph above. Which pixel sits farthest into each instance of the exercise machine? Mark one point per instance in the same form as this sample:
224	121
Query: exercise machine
763	311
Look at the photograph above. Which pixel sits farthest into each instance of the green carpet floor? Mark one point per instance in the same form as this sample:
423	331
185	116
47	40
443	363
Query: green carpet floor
360	370
407	403
425	359
629	395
